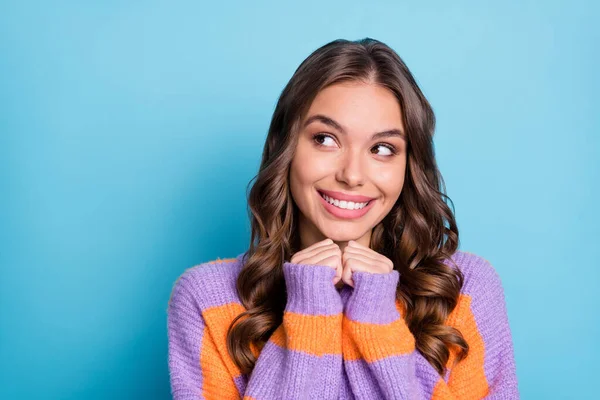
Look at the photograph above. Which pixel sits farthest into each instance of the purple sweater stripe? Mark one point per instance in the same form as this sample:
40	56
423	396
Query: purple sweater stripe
216	283
374	298
303	375
395	377
310	290
363	382
241	382
185	332
345	388
426	374
487	304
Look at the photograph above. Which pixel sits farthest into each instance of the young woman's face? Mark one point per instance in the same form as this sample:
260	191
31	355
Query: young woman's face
337	153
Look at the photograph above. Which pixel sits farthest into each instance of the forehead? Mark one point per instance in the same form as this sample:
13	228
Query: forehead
358	107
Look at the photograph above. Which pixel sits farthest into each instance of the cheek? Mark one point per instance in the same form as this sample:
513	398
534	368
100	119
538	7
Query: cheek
302	178
309	166
296	189
391	181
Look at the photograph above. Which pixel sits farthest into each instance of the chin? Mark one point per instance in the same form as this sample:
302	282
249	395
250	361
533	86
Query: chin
342	236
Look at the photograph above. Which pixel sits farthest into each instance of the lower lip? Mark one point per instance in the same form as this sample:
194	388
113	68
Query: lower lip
343	213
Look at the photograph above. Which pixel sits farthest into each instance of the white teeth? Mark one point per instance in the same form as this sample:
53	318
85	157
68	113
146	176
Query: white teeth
347	205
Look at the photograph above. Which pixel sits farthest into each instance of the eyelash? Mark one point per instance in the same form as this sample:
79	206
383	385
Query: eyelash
388	146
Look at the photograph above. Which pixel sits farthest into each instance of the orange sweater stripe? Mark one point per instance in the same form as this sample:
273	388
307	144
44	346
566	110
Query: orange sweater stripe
467	379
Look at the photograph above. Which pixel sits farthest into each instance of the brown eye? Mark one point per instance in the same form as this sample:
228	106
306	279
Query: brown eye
391	149
320	139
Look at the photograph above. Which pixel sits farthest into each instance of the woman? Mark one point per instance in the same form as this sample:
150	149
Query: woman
352	286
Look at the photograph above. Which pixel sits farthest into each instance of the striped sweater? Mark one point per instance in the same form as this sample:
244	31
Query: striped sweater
348	343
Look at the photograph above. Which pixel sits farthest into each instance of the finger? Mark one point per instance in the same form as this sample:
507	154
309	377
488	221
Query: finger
366	253
321	252
331	262
377	258
347	276
322	256
311	250
314	246
319	249
338	272
366	264
356	262
354	243
336	279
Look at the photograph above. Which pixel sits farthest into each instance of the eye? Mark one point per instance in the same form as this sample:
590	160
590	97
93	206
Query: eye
391	150
319	138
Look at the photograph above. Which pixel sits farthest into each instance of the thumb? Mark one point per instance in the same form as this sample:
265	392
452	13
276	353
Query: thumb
347	276
338	272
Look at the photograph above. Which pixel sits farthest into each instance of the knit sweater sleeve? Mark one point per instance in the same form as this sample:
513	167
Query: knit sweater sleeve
301	358
379	350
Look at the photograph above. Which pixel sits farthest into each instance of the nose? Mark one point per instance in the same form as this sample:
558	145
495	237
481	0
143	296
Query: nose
351	170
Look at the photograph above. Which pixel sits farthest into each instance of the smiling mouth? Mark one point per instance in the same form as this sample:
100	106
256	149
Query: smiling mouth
344	204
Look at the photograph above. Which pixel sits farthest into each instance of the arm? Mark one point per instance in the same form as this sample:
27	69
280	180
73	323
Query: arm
301	358
379	348
196	367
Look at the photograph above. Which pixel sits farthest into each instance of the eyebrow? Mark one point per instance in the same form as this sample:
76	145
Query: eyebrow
335	125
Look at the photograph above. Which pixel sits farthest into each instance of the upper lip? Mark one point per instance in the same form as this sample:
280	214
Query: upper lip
347	197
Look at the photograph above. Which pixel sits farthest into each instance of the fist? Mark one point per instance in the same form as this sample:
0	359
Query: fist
357	257
325	253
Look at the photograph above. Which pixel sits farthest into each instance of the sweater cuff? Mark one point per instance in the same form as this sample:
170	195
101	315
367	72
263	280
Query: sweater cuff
310	290
374	297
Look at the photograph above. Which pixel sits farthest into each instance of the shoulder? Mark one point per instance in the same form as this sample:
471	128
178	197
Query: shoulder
208	284
480	276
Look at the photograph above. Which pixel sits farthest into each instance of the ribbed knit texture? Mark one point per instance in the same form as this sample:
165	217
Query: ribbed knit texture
347	344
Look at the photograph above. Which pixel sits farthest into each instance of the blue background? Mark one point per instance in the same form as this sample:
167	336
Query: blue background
129	130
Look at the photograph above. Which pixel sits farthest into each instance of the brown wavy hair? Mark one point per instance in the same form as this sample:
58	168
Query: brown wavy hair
418	234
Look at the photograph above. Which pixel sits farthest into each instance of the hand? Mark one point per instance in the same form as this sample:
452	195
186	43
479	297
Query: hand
325	252
357	257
